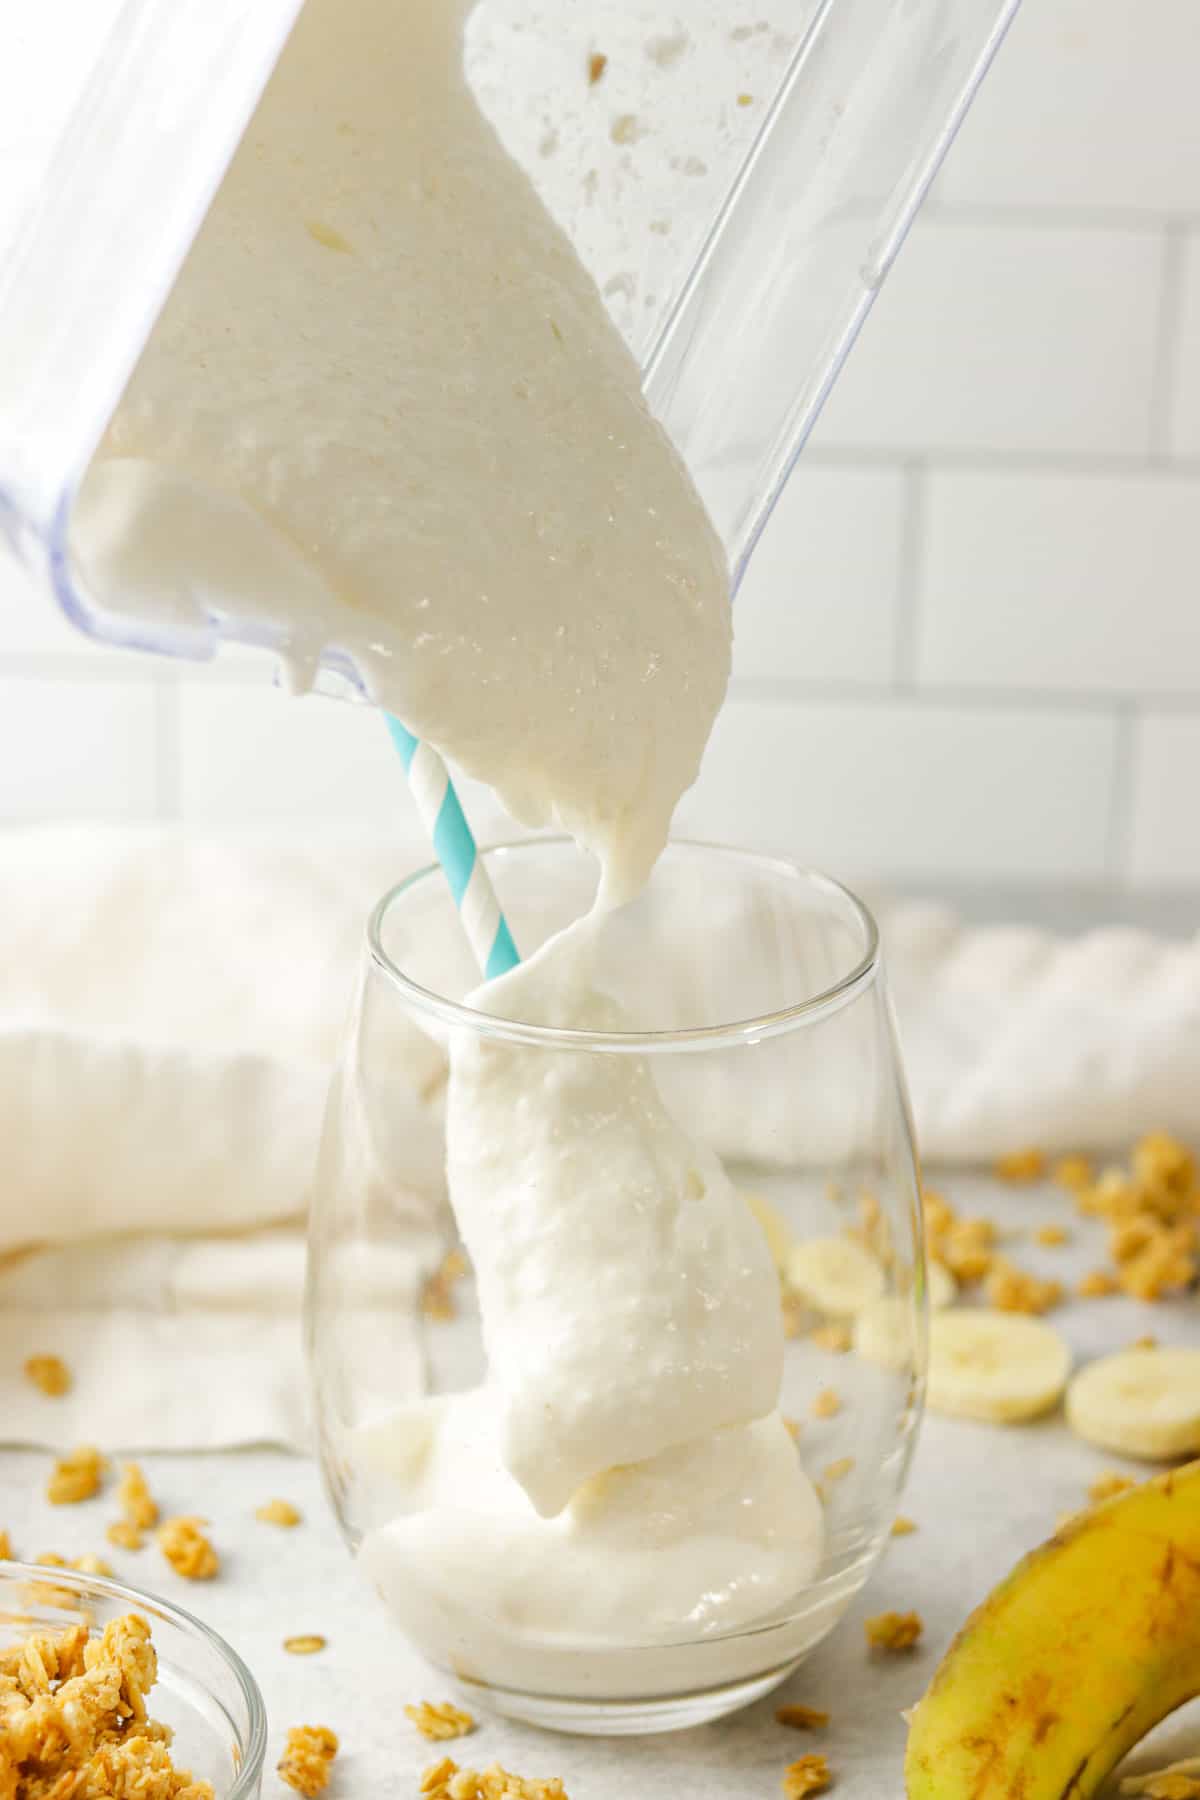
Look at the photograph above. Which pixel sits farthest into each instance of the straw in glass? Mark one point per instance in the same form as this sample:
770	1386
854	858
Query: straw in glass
456	850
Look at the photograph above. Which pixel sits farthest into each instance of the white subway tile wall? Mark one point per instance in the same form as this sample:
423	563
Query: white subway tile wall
968	649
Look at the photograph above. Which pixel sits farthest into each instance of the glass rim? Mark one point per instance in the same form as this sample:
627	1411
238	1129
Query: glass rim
728	1035
248	1777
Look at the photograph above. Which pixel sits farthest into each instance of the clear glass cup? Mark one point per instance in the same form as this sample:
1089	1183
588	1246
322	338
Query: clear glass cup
753	1001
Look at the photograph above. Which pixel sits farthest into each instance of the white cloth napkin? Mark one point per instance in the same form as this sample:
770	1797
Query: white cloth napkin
170	1011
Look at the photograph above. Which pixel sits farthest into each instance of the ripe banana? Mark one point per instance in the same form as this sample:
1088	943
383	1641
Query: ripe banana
1076	1655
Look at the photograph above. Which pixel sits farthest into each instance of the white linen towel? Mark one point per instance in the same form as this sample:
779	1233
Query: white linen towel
170	1011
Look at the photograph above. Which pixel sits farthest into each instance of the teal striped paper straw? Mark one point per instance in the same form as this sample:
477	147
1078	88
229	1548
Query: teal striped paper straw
455	848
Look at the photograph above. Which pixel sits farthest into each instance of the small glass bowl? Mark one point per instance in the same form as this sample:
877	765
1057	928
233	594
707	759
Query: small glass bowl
204	1690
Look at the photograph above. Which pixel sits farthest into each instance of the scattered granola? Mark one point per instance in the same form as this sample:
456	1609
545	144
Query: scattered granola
307	1644
73	1721
1147	1342
801	1718
1106	1487
138	1506
597	63
967	1249
50	1373
893	1630
308	1754
1072	1172
827	1403
124	1536
90	1565
1166	1264
838	1471
793	1427
1151	1210
902	1526
440	1719
1010	1289
1020	1165
6	1549
75	1477
446	1781
187	1549
1051	1235
835	1336
795	1313
437	1299
279	1512
1097	1284
963	1245
809	1775
1161	1161
745	99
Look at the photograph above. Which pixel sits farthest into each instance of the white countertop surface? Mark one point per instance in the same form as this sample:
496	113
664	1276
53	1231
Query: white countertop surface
981	1496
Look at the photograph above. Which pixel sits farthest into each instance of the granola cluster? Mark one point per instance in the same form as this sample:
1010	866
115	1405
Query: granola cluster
440	1720
50	1374
1152	1210
437	1300
835	1335
73	1719
809	1775
76	1477
964	1246
307	1760
446	1781
1010	1289
279	1512
187	1549
893	1630
801	1718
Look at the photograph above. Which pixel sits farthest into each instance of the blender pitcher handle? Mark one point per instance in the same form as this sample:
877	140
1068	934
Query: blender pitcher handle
871	102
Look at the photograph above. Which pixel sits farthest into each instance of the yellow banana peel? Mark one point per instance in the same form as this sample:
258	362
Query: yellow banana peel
1086	1645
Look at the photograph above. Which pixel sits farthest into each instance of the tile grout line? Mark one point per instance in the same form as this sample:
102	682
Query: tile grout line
984	214
1118	849
910	566
1168	336
1004	462
934	696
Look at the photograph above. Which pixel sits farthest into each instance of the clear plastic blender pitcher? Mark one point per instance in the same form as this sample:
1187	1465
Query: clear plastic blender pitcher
738	186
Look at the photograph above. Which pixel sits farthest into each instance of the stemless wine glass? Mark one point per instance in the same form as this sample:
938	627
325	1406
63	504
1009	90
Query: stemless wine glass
669	1591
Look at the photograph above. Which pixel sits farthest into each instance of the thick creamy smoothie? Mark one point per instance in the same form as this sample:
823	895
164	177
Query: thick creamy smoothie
386	404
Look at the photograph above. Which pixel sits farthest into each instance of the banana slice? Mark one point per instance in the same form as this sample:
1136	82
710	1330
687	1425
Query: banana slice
998	1366
885	1332
776	1229
1139	1402
835	1275
943	1289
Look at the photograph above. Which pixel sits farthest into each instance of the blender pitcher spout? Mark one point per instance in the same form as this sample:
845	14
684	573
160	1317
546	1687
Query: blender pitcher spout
871	101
